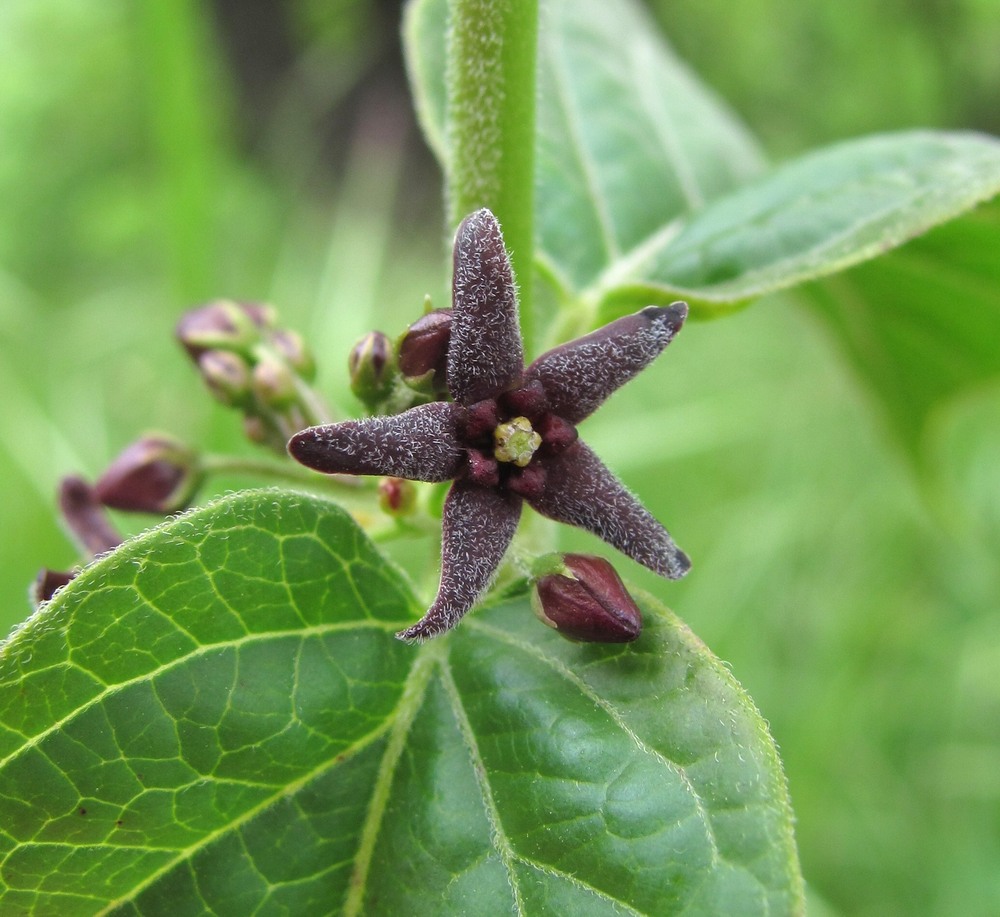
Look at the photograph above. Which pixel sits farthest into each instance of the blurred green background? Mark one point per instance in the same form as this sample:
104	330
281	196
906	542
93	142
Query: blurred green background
158	154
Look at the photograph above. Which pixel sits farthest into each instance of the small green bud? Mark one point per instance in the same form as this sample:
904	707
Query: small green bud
584	598
371	365
155	474
227	376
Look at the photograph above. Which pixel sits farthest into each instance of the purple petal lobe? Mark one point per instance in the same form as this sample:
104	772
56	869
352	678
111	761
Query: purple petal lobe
581	491
485	355
578	376
478	526
420	444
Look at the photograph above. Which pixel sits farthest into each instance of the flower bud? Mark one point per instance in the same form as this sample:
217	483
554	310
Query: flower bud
85	517
293	349
273	383
156	474
372	367
423	352
227	376
396	496
224	325
585	599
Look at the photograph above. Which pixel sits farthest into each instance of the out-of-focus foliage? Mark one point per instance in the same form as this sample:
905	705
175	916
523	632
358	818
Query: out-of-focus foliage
805	74
858	605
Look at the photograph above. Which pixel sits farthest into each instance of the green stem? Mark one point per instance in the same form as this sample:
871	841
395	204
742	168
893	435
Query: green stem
282	471
491	121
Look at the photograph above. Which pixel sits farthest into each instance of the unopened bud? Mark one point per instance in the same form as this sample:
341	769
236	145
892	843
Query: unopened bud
224	325
273	383
294	351
585	599
396	496
371	364
156	474
227	376
423	352
85	517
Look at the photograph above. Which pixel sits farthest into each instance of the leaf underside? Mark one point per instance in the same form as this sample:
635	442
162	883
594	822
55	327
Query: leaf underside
216	718
922	324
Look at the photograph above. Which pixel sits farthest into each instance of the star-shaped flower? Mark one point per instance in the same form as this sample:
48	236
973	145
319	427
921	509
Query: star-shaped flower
509	435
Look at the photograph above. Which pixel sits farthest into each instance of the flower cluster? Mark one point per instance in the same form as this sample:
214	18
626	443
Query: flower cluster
508	435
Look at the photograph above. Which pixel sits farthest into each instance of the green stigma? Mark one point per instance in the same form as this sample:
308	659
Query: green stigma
515	441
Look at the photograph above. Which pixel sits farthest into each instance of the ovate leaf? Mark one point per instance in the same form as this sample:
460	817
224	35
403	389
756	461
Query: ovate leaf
649	190
814	216
628	138
217	718
922	324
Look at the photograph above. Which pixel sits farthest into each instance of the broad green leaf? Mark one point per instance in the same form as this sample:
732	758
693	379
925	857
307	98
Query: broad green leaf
628	139
648	189
217	718
922	324
814	216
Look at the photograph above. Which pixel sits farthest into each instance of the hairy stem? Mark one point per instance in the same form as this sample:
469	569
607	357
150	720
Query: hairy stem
491	121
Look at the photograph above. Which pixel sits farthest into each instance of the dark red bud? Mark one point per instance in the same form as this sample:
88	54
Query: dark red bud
423	351
587	600
156	474
85	517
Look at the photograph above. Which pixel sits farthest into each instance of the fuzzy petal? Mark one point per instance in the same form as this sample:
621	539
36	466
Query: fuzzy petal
579	375
478	526
581	491
420	444
485	356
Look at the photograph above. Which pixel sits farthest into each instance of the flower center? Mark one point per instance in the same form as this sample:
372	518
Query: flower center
515	441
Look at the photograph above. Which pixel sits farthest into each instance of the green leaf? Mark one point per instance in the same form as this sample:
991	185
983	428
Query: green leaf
217	718
814	216
922	324
648	189
628	139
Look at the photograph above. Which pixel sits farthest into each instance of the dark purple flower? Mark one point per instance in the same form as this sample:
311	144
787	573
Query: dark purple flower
510	433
